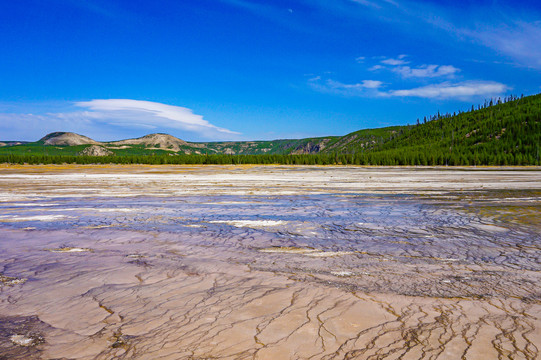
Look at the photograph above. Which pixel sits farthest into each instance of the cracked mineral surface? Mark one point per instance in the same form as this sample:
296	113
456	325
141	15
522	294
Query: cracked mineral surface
269	262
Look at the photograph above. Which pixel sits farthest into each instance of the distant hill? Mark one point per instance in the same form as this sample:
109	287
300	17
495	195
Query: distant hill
156	141
500	132
66	138
12	143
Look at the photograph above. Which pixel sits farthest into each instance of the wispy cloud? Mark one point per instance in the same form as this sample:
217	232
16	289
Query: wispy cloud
519	40
394	62
365	84
425	71
249	5
376	67
399	66
511	29
464	90
512	32
377	4
372	4
364	88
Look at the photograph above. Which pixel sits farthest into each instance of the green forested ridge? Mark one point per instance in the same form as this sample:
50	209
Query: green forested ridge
499	132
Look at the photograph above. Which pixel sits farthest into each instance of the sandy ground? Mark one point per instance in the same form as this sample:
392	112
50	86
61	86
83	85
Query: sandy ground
273	262
261	180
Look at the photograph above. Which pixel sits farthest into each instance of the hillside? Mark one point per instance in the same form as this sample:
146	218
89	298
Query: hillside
284	146
504	132
153	141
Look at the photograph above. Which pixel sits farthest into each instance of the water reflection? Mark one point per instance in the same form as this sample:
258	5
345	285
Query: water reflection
419	245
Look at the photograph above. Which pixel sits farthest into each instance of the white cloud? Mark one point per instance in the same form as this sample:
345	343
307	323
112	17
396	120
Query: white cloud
425	71
461	90
372	84
126	112
365	84
399	66
364	88
376	67
465	90
394	62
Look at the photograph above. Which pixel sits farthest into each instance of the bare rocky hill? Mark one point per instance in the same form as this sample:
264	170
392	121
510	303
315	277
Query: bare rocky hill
158	141
67	138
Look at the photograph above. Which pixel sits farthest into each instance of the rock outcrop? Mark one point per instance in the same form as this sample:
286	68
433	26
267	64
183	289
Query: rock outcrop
96	150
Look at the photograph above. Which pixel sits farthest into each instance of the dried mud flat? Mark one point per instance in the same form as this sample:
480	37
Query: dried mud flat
211	262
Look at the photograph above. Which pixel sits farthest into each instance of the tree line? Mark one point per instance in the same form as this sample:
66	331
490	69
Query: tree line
389	158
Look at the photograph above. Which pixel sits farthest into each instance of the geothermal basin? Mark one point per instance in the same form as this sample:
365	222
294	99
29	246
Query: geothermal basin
269	262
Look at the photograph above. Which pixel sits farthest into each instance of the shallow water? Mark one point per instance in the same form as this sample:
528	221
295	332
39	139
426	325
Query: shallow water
270	262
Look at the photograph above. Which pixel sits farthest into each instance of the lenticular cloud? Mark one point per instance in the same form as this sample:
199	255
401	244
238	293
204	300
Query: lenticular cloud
150	114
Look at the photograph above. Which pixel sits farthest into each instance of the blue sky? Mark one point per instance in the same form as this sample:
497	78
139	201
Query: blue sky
252	69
